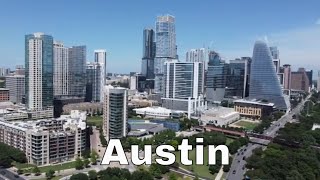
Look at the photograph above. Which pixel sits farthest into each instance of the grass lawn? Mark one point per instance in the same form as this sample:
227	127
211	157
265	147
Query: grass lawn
229	140
96	120
247	125
201	170
27	168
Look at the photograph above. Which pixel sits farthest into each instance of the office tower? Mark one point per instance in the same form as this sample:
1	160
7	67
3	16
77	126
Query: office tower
149	52
274	52
309	74
4	71
19	70
166	49
286	76
100	56
60	69
215	78
196	55
16	86
183	83
300	80
115	112
93	82
264	83
237	81
47	141
39	71
77	71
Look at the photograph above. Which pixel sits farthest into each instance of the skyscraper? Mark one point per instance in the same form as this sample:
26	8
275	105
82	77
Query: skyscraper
115	112
77	70
166	49
215	78
183	86
93	82
300	80
286	76
196	55
39	71
100	56
149	51
16	86
60	69
237	81
264	83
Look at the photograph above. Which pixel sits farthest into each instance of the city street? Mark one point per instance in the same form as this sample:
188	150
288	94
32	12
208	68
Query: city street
237	169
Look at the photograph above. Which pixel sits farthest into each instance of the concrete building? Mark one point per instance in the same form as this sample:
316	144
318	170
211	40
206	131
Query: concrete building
196	55
115	112
93	82
4	94
287	77
4	71
253	109
39	71
300	80
157	112
47	141
20	70
61	69
100	56
77	70
16	86
219	116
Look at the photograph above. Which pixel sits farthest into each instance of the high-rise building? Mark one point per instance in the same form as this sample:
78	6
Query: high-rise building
149	52
60	69
19	70
274	52
100	56
309	74
286	76
115	112
16	86
39	71
4	71
166	49
183	83
77	71
93	82
264	83
300	80
238	74
196	55
318	81
215	78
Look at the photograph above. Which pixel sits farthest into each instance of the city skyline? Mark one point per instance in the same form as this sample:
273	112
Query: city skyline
295	35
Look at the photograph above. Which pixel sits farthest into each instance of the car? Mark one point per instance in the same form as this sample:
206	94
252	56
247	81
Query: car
242	153
238	154
16	176
238	161
234	171
3	172
244	158
245	149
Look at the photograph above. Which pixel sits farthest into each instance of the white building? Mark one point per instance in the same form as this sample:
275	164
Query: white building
100	56
219	116
156	112
196	55
47	141
115	112
60	69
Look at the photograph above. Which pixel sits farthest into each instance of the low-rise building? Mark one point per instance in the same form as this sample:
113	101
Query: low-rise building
4	95
157	112
219	116
47	141
253	109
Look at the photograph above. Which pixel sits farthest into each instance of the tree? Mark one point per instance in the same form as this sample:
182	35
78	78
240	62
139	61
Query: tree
234	146
50	174
78	164
172	176
36	171
139	175
174	143
86	163
93	175
155	171
80	176
94	155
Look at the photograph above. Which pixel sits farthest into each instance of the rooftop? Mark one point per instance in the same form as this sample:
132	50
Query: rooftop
220	112
254	101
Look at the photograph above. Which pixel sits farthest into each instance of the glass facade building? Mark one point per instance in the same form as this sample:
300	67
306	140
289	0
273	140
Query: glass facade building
93	85
264	83
77	71
39	71
149	52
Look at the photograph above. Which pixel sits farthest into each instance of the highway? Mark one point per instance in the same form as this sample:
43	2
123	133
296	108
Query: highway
238	169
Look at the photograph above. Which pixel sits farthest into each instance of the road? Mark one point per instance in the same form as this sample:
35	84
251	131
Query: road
8	175
237	169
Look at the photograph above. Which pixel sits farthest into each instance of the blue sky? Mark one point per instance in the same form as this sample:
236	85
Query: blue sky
229	26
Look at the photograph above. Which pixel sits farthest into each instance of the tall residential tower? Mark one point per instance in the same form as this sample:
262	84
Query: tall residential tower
100	56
